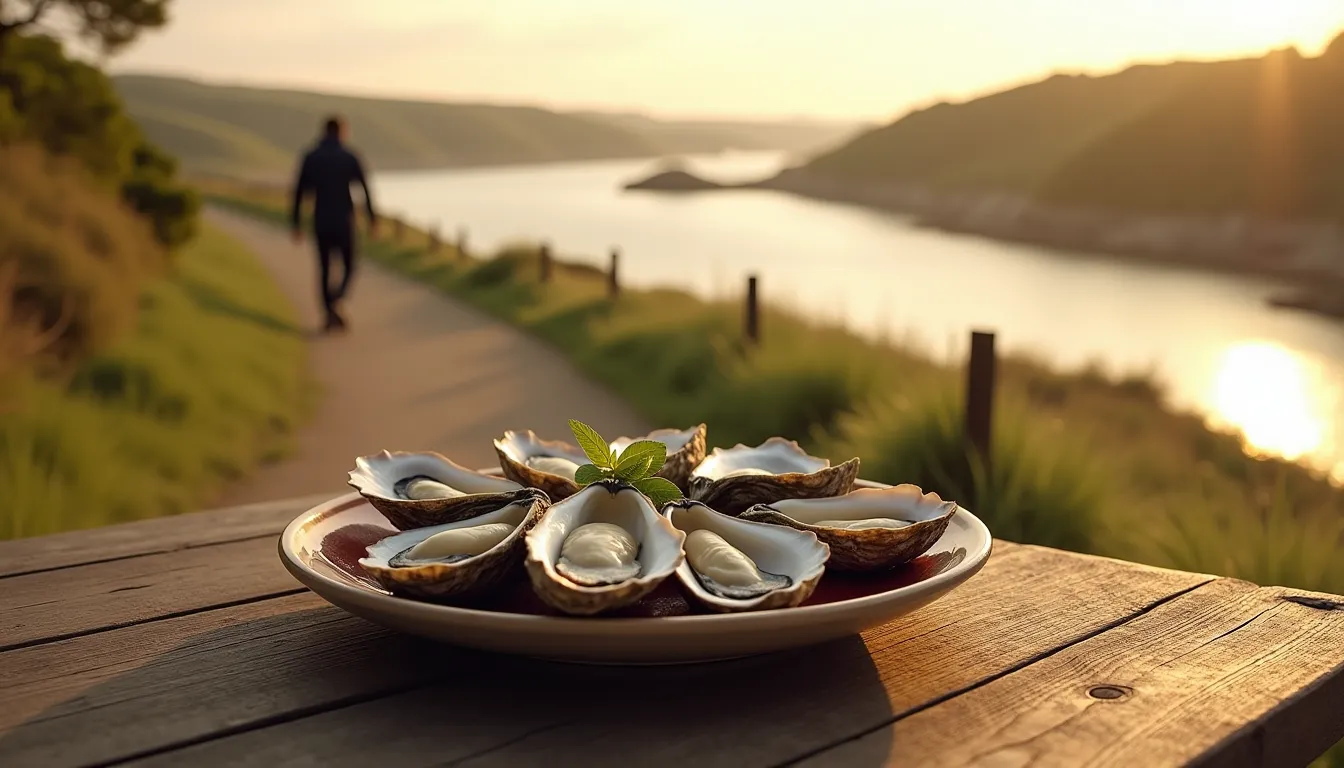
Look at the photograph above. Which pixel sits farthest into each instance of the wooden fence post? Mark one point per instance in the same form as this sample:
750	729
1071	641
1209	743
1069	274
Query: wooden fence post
462	240
434	239
613	274
545	262
398	229
753	324
980	395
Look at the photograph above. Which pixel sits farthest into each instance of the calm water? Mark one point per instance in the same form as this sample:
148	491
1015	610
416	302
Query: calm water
1276	375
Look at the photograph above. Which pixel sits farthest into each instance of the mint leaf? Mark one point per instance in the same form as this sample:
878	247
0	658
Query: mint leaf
659	490
587	474
592	444
639	450
633	470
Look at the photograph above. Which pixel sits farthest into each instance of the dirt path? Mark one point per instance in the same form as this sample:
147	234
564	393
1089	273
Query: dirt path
415	371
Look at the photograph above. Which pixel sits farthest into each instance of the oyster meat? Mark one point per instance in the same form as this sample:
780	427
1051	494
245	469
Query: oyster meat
738	565
545	464
726	571
734	479
602	548
599	553
415	490
685	450
457	559
868	529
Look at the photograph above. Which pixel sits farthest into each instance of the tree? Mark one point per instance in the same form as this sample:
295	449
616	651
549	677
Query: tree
111	24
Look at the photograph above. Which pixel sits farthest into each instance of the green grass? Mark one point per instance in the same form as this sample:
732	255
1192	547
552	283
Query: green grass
209	384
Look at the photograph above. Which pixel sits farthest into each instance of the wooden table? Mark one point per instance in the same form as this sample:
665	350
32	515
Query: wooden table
182	641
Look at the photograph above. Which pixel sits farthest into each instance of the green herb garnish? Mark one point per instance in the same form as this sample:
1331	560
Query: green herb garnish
636	465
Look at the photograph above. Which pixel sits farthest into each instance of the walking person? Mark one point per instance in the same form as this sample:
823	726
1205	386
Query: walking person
327	171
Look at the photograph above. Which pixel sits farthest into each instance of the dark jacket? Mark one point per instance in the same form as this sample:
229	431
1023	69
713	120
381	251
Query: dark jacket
327	171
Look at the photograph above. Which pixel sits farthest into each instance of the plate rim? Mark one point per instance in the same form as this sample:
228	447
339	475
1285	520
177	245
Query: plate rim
937	584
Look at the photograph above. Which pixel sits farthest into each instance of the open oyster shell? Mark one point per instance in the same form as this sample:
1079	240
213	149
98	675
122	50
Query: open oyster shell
466	577
520	452
605	501
685	450
734	479
774	549
384	478
866	548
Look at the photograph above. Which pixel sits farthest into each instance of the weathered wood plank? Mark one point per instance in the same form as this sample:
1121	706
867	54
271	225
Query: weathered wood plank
140	688
1028	602
40	607
144	537
1228	674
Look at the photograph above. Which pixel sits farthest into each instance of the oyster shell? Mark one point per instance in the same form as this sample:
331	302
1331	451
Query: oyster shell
414	490
738	565
545	464
858	525
458	559
592	578
685	450
732	480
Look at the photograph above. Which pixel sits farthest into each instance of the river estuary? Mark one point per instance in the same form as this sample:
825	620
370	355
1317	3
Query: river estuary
1276	375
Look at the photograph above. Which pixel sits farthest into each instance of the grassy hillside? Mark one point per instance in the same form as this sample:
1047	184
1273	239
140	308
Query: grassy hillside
253	132
208	384
1258	135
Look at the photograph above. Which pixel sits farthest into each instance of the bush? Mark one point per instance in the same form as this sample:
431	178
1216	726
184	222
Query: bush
79	257
72	110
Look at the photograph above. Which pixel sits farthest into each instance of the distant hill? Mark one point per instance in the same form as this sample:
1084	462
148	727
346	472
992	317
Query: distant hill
1262	136
255	132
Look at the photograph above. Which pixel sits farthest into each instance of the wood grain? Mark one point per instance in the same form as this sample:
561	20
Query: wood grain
165	534
40	607
480	709
148	687
1229	674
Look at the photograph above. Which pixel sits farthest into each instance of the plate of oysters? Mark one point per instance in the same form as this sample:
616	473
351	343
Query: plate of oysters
716	554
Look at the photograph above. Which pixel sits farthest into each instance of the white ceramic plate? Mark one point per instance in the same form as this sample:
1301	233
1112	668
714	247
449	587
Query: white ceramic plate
321	548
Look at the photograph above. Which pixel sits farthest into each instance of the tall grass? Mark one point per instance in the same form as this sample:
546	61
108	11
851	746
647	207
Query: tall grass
78	258
209	383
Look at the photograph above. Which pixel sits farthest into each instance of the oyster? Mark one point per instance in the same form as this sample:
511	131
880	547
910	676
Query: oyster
867	529
458	559
685	450
536	463
605	547
734	479
738	565
414	490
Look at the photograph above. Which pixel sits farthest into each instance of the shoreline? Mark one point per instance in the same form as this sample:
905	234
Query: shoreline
1307	254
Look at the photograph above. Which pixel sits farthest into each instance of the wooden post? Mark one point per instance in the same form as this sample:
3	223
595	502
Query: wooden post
545	262
462	240
613	274
980	395
753	325
398	229
434	239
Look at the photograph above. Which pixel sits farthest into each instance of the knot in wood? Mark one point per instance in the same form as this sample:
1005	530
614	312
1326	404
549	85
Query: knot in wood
1109	692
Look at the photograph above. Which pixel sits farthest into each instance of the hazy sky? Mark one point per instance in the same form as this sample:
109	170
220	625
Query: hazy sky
834	58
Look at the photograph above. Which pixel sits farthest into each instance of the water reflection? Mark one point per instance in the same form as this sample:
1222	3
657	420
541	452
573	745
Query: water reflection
1266	391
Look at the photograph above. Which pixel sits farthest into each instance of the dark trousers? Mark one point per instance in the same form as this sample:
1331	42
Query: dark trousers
335	241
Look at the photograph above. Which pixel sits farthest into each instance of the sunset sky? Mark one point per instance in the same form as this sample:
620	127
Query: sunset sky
827	58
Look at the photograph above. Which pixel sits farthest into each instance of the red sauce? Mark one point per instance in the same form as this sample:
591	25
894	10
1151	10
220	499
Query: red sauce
344	547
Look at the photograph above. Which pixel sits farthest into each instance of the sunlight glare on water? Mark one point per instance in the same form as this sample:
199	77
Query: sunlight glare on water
1265	390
